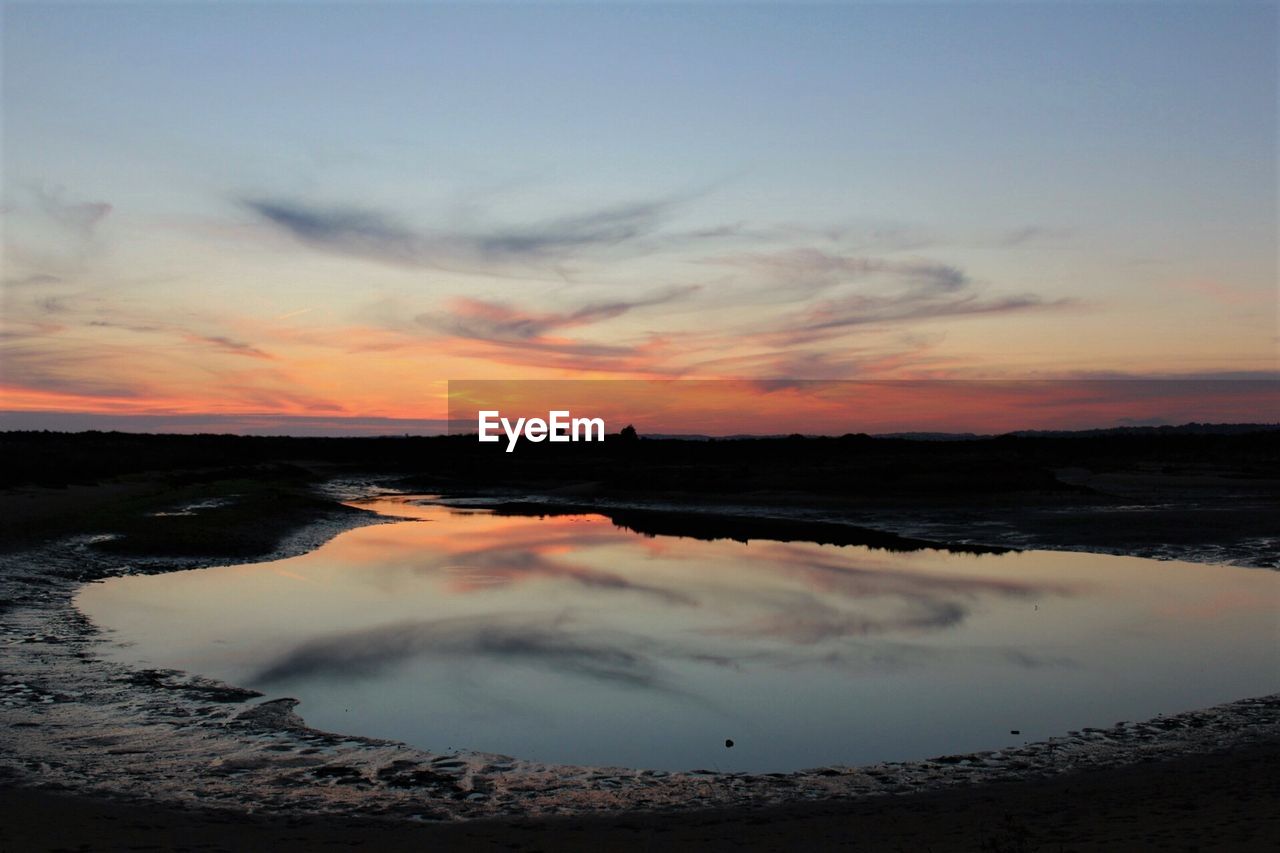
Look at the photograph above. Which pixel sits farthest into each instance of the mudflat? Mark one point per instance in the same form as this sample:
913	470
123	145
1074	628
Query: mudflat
1221	801
1202	780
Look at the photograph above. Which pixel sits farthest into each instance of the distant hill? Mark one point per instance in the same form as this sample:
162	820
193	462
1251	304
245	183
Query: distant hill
1182	429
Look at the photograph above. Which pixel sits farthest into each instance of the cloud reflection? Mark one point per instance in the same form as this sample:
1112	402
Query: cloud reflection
779	606
806	620
545	641
508	565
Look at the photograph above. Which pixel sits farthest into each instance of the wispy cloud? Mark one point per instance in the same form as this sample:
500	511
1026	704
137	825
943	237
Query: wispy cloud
831	291
606	227
131	363
73	368
804	271
1031	234
837	316
31	280
47	235
505	333
384	237
859	290
346	230
227	345
477	319
793	366
219	343
132	327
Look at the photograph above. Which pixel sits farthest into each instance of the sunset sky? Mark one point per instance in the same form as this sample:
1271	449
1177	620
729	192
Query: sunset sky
304	216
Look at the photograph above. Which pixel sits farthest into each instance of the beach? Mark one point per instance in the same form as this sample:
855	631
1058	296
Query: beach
1217	801
88	742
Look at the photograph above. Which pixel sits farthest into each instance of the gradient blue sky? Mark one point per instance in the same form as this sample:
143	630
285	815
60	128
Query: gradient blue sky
333	208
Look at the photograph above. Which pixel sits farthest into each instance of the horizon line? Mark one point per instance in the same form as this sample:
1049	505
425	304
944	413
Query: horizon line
321	427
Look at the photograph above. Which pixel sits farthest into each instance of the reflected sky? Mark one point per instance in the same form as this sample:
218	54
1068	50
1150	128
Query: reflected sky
567	639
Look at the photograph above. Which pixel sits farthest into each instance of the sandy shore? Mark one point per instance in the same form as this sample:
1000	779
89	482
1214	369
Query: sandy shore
86	744
1219	801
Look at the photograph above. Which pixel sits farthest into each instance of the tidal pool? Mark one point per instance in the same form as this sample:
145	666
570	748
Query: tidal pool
570	640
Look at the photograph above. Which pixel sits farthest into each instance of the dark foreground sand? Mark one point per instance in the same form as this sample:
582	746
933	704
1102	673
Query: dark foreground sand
1221	801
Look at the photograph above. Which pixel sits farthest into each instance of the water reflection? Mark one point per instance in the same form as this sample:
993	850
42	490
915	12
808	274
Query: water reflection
544	641
571	639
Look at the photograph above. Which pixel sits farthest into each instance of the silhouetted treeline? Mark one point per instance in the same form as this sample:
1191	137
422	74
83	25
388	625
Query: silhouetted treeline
847	465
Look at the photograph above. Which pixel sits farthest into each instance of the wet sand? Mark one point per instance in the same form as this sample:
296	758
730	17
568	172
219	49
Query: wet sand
1220	801
94	754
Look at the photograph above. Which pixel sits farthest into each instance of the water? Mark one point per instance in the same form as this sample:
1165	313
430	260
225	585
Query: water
570	640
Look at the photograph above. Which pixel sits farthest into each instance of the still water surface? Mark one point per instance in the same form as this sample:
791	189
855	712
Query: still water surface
570	640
